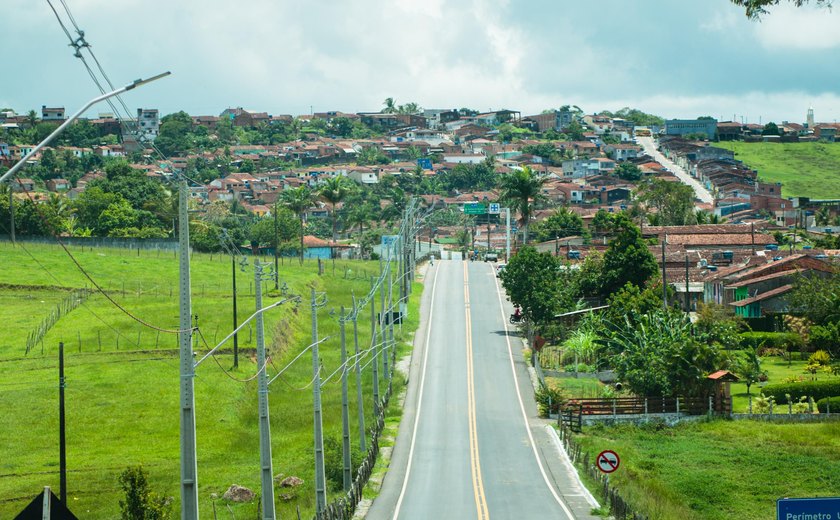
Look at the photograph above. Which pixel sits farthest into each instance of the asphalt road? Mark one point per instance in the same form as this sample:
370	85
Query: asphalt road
470	445
700	191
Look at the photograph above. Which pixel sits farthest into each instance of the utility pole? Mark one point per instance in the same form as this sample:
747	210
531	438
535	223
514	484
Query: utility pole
62	451
375	351
507	235
388	374
382	318
359	401
687	295
664	280
189	465
345	408
235	318
12	212
276	270
320	477
266	470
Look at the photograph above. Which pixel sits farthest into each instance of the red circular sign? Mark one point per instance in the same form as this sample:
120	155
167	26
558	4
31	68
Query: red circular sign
607	461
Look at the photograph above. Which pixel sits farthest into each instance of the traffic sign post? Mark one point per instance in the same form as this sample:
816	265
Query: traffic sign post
607	461
811	508
475	208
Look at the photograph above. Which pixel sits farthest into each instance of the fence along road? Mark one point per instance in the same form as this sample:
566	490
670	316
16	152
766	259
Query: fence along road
466	448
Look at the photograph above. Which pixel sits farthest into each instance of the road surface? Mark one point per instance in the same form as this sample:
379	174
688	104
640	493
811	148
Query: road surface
470	445
700	191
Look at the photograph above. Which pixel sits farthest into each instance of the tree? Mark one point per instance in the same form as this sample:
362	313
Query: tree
522	189
575	131
748	368
298	200
390	106
174	135
673	201
333	191
628	171
771	129
563	223
754	9
627	259
140	502
657	355
531	281
817	297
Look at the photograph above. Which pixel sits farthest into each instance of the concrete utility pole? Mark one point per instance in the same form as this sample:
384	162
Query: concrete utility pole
664	281
345	408
360	405
382	318
388	374
276	270
320	475
375	350
189	465
235	318
62	452
266	469
507	235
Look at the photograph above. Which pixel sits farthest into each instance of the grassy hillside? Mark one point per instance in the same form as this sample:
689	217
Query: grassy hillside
721	469
122	378
804	169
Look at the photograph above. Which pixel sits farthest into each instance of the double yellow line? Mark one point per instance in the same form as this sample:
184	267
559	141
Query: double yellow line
475	462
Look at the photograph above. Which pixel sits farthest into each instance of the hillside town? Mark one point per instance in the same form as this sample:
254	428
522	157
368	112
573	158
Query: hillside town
591	166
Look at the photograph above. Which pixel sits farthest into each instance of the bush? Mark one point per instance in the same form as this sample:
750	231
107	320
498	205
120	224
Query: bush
816	389
820	358
581	367
334	461
549	397
826	403
778	340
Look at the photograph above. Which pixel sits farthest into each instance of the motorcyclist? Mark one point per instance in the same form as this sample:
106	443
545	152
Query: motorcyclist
517	313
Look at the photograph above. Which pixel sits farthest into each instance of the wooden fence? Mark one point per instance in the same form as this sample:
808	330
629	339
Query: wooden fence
619	508
642	405
343	508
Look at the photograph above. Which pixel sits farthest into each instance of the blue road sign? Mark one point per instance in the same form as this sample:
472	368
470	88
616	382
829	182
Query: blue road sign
808	508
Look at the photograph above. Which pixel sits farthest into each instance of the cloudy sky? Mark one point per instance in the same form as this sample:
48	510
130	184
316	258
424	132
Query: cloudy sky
674	58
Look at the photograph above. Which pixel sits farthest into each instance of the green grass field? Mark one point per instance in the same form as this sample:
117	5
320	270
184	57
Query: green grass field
122	377
804	169
721	469
777	370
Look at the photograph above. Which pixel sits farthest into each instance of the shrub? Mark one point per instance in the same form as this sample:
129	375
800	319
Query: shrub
770	351
762	404
820	358
141	503
549	399
815	389
826	403
334	461
778	340
581	367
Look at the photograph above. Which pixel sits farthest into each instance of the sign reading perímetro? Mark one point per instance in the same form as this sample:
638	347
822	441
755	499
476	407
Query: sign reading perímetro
808	508
607	461
474	208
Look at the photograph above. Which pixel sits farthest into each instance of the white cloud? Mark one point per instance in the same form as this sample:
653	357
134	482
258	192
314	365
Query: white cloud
722	21
802	28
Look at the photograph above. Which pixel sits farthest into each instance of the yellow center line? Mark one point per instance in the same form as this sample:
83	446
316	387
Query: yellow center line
475	462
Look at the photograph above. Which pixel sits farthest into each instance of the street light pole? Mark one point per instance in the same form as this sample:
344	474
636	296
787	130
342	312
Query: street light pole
65	124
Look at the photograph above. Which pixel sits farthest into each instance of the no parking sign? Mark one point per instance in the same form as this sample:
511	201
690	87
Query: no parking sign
607	461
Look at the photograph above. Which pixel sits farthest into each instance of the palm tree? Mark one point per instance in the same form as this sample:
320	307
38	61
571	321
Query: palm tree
333	191
521	190
390	106
822	217
298	200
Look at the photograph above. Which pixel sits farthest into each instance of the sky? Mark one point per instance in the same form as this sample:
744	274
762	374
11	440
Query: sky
673	58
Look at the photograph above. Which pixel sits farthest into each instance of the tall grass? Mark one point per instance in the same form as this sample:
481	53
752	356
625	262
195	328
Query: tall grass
122	378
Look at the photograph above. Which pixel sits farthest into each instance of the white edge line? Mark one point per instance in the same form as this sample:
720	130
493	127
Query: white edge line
419	400
522	408
570	467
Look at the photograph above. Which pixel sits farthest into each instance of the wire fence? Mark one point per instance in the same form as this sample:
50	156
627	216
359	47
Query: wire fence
344	507
64	307
620	509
